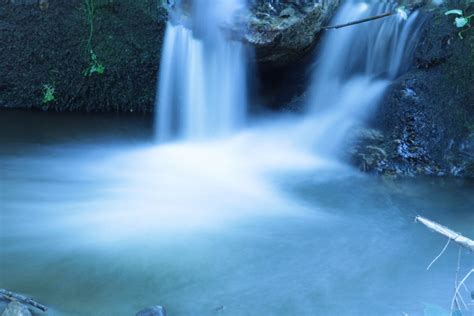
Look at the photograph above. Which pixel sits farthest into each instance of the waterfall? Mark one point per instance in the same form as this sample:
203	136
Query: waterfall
355	68
202	82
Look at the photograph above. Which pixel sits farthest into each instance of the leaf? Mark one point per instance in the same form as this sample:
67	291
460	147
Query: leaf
456	11
461	22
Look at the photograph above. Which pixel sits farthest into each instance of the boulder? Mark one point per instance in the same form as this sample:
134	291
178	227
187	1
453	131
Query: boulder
283	35
371	151
152	311
365	149
428	114
16	309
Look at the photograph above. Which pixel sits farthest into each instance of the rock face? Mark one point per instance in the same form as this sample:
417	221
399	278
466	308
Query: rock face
428	115
366	150
45	43
16	309
425	126
152	311
282	34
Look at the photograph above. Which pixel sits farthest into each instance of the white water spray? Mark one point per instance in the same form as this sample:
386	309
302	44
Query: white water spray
202	85
355	68
186	185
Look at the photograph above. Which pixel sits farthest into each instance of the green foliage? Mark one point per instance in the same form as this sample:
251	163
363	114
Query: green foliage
95	66
48	93
461	21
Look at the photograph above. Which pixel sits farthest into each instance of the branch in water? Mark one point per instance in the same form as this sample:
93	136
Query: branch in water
440	229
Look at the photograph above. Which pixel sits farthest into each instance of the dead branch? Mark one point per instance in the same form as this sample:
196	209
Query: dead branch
11	296
440	229
359	21
458	287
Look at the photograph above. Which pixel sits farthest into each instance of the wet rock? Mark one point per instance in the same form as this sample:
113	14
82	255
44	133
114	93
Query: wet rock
461	158
152	311
372	151
285	33
287	13
284	39
427	117
366	149
16	309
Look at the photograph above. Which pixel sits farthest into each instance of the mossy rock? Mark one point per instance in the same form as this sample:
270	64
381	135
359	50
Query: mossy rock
51	47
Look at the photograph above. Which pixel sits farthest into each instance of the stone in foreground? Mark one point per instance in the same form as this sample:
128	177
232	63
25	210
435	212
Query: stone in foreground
16	309
152	311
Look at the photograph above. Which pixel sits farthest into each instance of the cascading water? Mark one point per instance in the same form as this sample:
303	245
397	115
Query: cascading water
355	68
202	84
232	226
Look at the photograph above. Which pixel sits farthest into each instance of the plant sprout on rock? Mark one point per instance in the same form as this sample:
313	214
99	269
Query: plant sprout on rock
461	21
95	66
48	93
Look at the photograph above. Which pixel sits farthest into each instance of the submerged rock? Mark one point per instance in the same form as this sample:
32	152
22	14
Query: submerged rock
152	311
16	309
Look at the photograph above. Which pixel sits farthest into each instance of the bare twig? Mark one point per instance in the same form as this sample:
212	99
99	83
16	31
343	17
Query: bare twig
440	254
359	21
457	302
456	292
11	296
